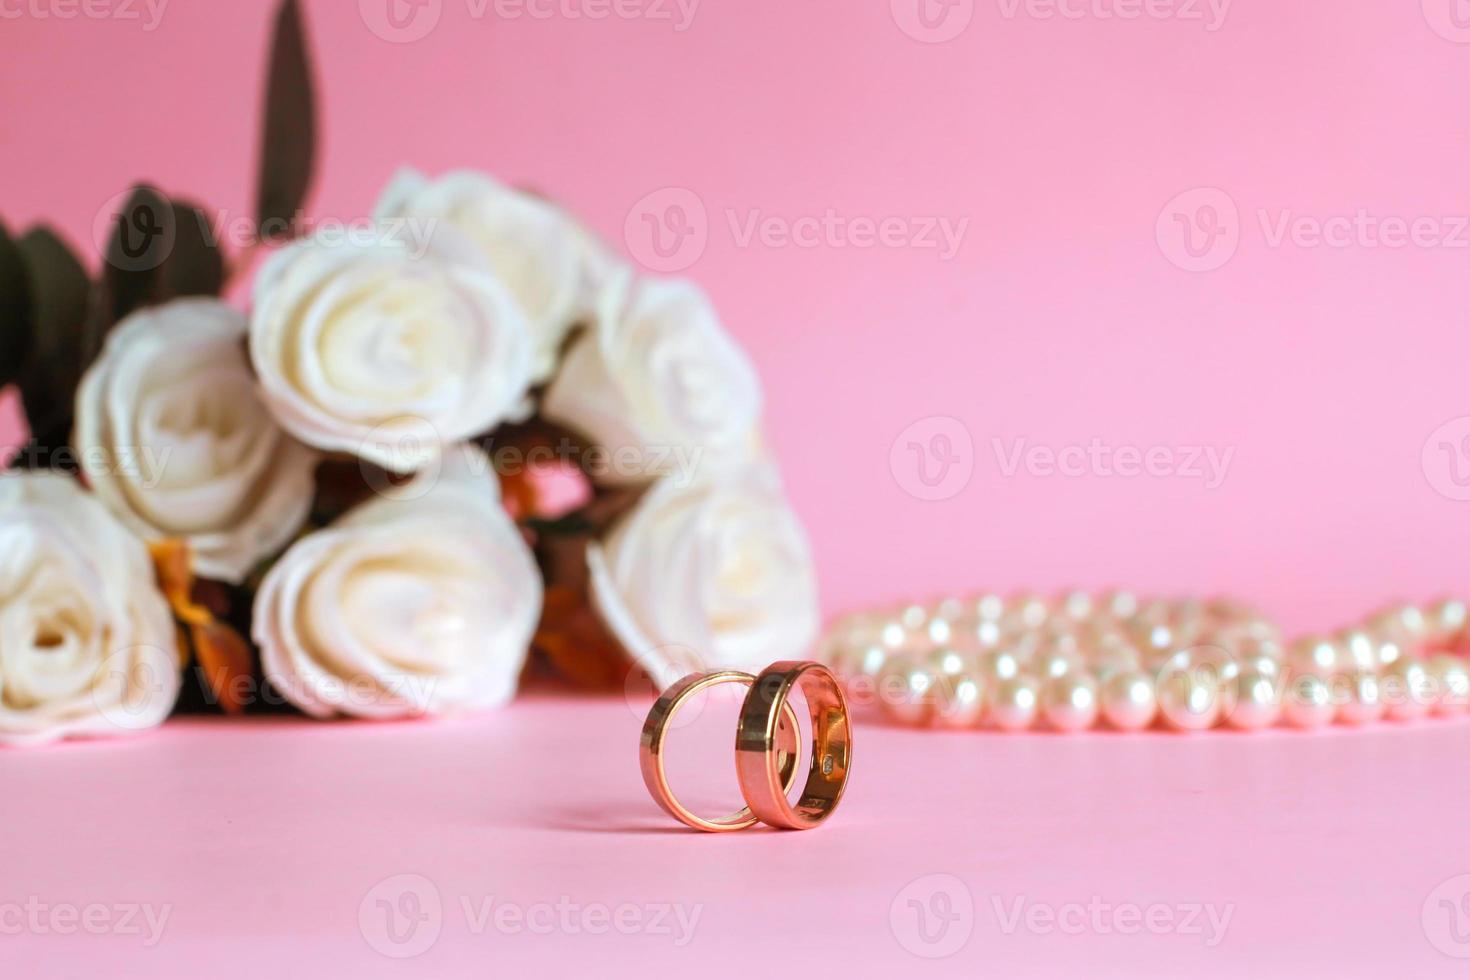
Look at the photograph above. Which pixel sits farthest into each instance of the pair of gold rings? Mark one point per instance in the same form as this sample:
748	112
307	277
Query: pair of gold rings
766	747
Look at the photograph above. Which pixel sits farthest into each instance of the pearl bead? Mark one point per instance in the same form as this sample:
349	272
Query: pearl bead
895	636
1056	661
1257	699
989	607
939	632
1070	702
1452	683
1114	654
1360	699
858	662
1447	617
906	690
1003	664
1308	702
1359	649
1076	605
1315	655
1128	700
950	662
913	617
1015	703
959	701
1193	690
950	609
1119	605
1028	611
987	634
1408	690
1189	701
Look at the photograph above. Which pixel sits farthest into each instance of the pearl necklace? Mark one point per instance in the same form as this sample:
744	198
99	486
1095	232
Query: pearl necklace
1080	661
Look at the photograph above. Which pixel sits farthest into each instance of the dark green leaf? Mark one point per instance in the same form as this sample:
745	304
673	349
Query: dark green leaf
60	290
143	235
16	321
288	136
196	267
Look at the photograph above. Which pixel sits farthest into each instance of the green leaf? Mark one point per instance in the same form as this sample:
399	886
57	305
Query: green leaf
16	321
60	290
143	236
196	267
288	136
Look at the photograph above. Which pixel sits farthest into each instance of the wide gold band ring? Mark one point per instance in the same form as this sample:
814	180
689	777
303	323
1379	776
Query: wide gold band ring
763	785
784	752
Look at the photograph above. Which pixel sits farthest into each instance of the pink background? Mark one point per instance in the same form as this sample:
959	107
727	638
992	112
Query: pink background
1061	319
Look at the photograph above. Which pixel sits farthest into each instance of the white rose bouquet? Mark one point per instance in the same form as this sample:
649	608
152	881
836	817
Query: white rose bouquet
426	457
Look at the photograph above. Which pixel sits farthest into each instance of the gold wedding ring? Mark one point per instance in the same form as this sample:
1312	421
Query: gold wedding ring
783	748
764	785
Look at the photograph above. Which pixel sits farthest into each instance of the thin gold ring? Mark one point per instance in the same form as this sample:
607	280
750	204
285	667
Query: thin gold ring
756	736
655	731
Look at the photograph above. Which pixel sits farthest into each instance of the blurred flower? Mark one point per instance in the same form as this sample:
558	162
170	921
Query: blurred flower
722	569
550	264
422	602
658	384
362	347
87	645
172	435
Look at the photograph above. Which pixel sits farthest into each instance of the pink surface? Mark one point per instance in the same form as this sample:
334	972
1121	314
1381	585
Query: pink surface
1070	312
267	838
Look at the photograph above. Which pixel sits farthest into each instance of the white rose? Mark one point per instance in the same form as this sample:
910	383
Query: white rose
550	264
716	576
173	436
658	383
370	349
87	643
422	603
